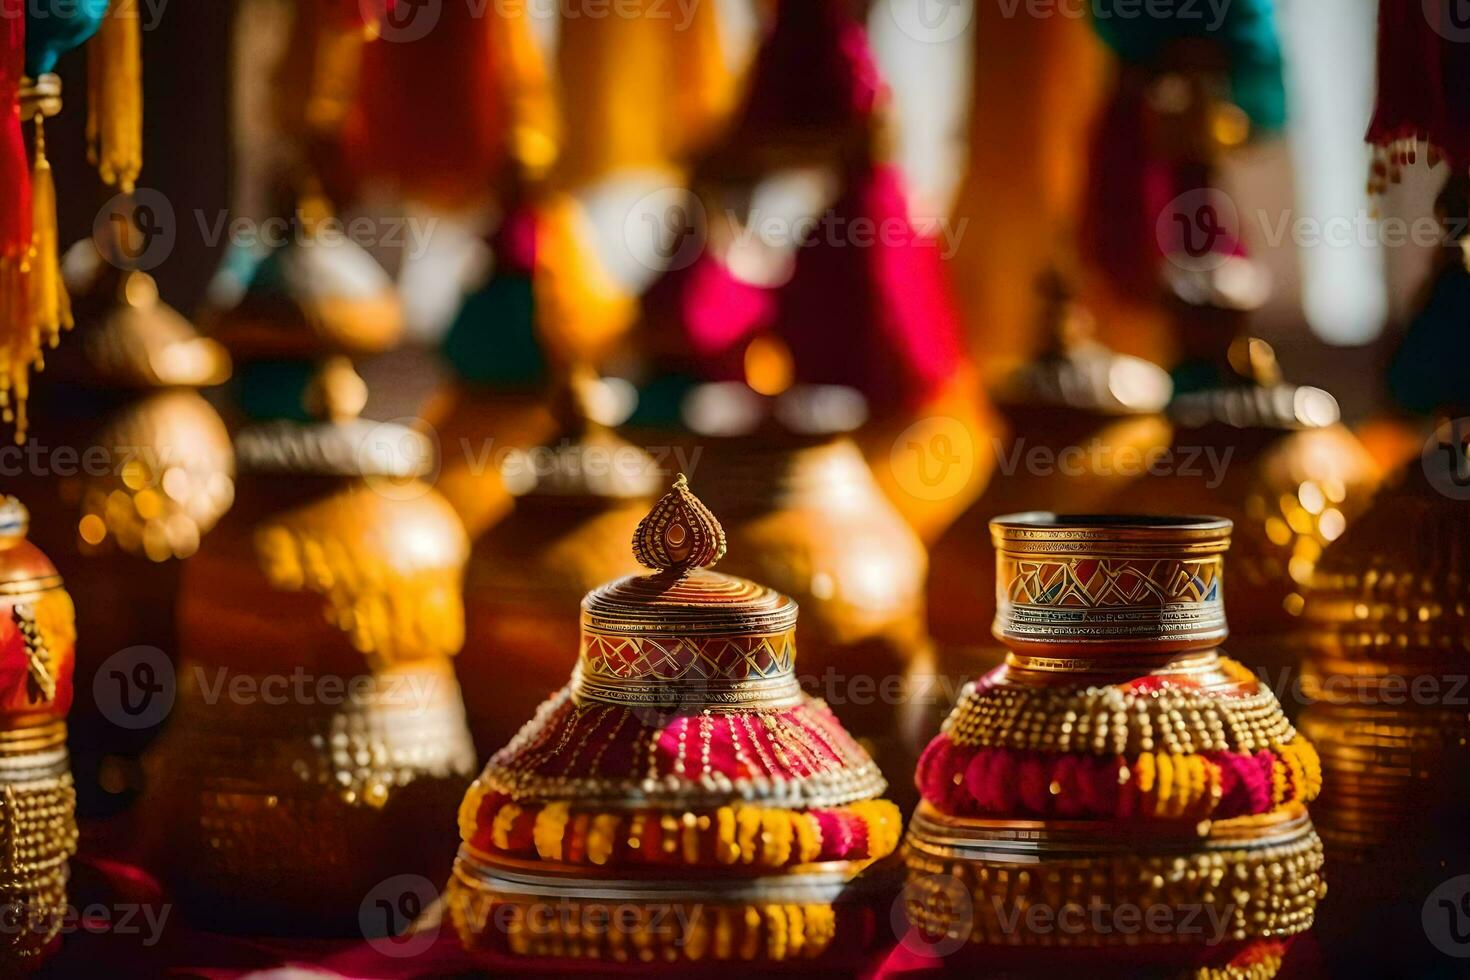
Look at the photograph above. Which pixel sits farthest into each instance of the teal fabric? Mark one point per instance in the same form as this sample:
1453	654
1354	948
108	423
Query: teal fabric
493	342
1428	371
1246	30
54	27
273	389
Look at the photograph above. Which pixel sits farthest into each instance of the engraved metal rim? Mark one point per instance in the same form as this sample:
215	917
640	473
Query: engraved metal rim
637	606
1190	622
1046	532
823	883
968	838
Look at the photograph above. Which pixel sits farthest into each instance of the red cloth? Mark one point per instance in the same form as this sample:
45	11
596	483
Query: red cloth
1423	75
15	171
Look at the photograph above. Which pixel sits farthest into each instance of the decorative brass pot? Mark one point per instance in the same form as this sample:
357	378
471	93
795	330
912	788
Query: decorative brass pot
319	735
1115	762
681	781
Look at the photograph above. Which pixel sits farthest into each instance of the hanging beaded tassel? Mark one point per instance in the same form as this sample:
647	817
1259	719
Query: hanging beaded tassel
115	96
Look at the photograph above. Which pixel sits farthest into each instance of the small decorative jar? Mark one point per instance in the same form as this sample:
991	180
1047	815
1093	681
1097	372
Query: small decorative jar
38	816
681	783
318	738
1115	765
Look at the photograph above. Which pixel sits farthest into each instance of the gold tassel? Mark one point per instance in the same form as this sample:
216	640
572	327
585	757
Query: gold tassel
50	311
115	96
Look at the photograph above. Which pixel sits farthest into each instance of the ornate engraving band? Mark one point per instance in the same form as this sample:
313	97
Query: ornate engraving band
1066	579
743	671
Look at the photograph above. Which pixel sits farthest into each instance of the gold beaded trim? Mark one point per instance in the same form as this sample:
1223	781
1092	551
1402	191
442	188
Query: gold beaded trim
623	932
1111	721
1256	890
852	776
38	835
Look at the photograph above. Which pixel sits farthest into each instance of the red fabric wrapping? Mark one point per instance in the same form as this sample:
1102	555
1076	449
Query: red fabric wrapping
1423	74
15	171
869	304
990	781
613	742
431	117
815	73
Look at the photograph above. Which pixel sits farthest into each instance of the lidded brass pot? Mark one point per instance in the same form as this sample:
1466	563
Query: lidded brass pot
38	819
680	799
1275	459
1083	422
1388	616
128	467
1116	764
318	737
803	512
577	501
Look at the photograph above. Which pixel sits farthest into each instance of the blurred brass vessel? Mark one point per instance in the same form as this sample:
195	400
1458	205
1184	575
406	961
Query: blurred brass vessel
319	735
38	819
1389	620
1274	458
130	467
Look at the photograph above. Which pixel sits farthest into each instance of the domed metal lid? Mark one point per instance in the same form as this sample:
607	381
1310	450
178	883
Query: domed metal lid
1256	397
23	567
686	634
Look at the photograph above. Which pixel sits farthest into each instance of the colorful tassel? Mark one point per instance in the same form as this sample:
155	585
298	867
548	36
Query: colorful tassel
15	209
115	96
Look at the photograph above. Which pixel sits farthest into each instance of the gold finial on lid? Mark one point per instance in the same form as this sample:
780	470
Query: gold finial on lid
679	533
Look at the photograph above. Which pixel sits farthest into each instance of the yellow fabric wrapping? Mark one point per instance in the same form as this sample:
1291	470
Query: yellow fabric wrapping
1037	84
640	92
581	312
115	96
